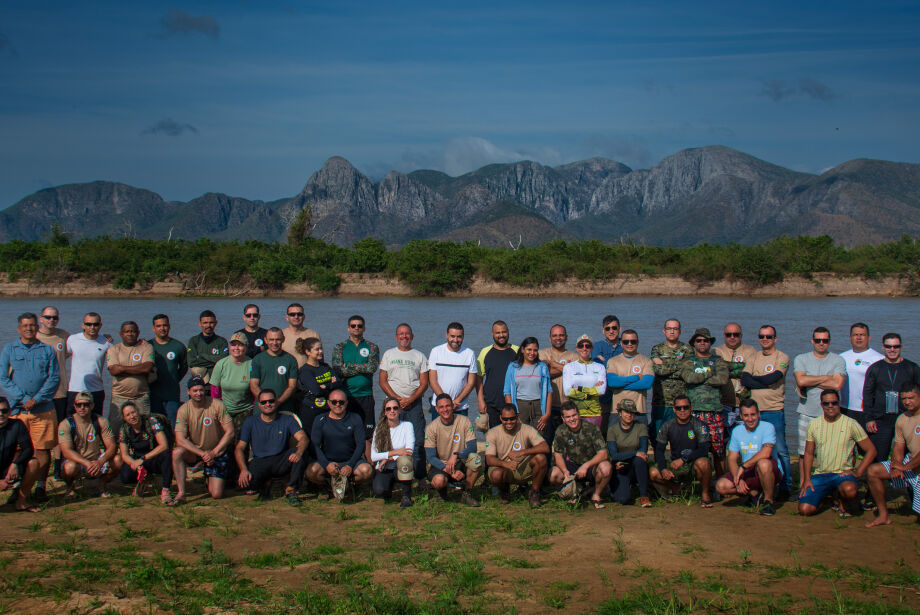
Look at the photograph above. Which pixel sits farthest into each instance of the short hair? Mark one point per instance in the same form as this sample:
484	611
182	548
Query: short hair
609	318
356	317
404	324
275	330
440	397
500	322
53	308
93	315
128	323
455	325
568	405
680	397
859	325
629	332
4	400
294	305
821	330
249	305
891	335
750	403
564	330
267	390
157	317
207	314
26	316
827	392
671	320
910	387
768	327
509	407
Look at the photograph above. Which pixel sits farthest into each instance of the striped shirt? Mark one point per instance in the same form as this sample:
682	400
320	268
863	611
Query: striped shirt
834	443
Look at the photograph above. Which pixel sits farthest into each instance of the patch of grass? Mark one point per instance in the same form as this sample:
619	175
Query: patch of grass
537	546
514	562
269	530
345	514
326	550
35	526
690	548
349	572
126	533
619	545
556	594
191	518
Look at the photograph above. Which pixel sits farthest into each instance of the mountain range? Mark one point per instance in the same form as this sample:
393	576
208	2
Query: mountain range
709	194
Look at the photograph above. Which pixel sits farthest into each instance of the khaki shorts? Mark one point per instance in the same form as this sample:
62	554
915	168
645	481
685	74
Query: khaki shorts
522	475
42	428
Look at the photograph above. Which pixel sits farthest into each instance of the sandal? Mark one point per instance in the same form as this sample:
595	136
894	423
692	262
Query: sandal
102	493
598	505
28	508
842	512
705	504
165	497
644	502
176	501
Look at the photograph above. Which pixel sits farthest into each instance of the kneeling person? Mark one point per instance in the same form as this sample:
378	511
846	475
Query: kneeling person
144	448
338	437
204	430
269	435
627	443
753	469
580	453
18	471
689	442
87	445
516	453
450	446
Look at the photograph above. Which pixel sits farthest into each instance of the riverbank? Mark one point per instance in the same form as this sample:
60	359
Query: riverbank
379	285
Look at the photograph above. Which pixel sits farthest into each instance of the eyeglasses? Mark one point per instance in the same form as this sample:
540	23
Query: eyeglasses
51	317
629	342
681	407
821	340
337	402
733	334
766	337
891	346
295	314
255	315
672	328
611	328
82	404
830	403
265	402
508	419
92	324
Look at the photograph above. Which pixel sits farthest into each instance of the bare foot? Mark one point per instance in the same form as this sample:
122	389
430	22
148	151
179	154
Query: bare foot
879	521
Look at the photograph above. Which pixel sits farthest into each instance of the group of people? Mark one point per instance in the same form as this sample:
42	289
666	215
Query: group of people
265	405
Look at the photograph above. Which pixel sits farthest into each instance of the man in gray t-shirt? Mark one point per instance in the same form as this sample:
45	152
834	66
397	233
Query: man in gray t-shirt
816	371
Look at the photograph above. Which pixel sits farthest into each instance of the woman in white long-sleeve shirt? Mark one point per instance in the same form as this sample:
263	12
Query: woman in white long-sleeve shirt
393	442
584	381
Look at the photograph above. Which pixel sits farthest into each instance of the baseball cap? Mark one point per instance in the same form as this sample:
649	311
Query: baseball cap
240	338
195	381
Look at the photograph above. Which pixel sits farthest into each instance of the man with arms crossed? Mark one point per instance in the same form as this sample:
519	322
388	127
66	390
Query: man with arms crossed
130	364
752	466
493	365
705	374
827	466
580	453
666	358
905	459
206	348
452	371
631	375
18	471
736	355
765	377
516	453
815	372
857	359
404	377
338	437
171	359
356	360
204	430
88	445
276	370
450	446
555	357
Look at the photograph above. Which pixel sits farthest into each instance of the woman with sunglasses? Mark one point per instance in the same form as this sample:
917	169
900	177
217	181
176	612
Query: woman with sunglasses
528	385
391	453
584	381
317	379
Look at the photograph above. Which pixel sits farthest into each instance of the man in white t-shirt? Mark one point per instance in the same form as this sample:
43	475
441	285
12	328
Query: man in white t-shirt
88	352
452	370
858	359
404	376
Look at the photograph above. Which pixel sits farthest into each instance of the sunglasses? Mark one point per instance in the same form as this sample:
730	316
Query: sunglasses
508	419
92	324
388	408
891	346
732	334
356	325
51	317
265	402
583	345
295	314
821	340
672	328
611	328
766	337
830	403
681	407
255	315
337	402
82	404
5	410
629	342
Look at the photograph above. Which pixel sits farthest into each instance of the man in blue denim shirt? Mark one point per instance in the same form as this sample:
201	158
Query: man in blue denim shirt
29	374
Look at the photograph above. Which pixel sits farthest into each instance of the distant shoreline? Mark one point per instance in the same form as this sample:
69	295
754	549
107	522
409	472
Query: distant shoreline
379	285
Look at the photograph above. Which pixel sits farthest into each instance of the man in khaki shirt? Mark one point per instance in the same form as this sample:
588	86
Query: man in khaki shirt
736	354
555	357
49	333
630	375
88	446
131	363
516	453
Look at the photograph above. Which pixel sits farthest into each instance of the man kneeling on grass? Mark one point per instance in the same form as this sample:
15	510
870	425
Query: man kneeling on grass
689	442
580	453
338	437
204	431
829	453
753	470
82	438
269	435
516	453
450	446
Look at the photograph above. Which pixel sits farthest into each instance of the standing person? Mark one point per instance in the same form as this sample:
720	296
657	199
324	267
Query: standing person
170	357
88	446
450	446
630	375
607	348
580	454
30	376
296	330
19	471
206	348
317	380
555	357
666	360
356	361
269	435
255	335
584	382
338	438
705	374
131	364
49	333
453	371
688	441
827	465
391	451
737	355
230	381
204	431
627	443
816	371
516	453
87	356
276	370
883	382
493	362
765	377
144	447
527	387
858	359
404	377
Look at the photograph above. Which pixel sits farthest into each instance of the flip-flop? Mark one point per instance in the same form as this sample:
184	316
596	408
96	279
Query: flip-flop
842	512
174	502
706	504
102	494
30	509
598	505
645	502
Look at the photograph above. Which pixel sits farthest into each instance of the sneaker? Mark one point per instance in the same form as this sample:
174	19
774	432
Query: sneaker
291	498
534	499
757	500
467	499
339	486
40	495
405	502
767	509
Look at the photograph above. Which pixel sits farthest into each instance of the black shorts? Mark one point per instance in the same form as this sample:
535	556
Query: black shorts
364	406
60	409
433	471
572	467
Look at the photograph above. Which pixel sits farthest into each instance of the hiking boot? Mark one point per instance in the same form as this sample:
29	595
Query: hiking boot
291	498
534	499
467	499
405	502
767	509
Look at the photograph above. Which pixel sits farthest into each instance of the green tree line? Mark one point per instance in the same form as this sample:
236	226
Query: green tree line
433	267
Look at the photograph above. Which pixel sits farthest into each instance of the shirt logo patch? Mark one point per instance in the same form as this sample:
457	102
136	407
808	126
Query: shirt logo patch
691	435
562	362
214	351
320	402
364	352
91	437
136	356
917	430
782	365
516	446
404	469
769	368
636	369
258	343
456	437
60	346
282	370
739	359
170	355
207	421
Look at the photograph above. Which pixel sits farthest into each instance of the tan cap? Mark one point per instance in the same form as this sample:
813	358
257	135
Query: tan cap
584	338
239	337
405	467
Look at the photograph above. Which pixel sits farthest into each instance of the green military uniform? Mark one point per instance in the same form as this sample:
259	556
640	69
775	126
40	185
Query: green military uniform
668	383
581	446
704	379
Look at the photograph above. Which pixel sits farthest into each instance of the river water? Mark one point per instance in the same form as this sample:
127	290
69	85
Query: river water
793	318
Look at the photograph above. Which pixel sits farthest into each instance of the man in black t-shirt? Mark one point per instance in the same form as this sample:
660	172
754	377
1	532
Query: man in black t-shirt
255	335
689	442
269	435
493	364
16	472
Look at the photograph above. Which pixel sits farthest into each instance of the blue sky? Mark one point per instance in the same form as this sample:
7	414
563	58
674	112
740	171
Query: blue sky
251	98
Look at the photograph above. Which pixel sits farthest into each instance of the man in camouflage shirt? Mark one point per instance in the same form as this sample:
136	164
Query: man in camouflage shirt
666	358
705	374
580	451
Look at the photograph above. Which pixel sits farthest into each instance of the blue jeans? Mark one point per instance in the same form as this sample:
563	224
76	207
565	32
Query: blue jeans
777	418
660	415
169	409
414	415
